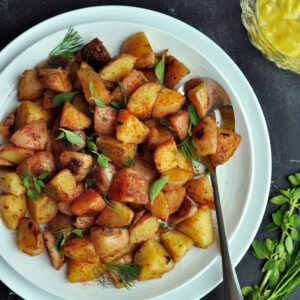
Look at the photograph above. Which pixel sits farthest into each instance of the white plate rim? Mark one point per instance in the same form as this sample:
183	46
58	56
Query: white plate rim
59	21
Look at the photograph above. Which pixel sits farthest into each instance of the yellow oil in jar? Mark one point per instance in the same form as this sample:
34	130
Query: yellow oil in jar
280	22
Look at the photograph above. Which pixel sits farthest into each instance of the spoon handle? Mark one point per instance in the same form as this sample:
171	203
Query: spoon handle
232	289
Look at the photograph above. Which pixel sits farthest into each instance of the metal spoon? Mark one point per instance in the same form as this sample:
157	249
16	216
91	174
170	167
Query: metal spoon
220	101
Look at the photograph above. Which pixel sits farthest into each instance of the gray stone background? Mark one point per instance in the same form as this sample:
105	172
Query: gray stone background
278	91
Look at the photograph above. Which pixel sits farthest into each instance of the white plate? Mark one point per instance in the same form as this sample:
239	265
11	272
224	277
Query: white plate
244	180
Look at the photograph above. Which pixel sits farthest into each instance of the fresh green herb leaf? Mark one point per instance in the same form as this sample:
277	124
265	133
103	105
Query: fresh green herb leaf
60	241
295	234
157	186
260	249
103	160
27	181
58	229
61	98
246	290
277	219
190	129
98	101
89	182
61	136
109	204
30	181
101	278
124	93
270	227
143	82
161	224
160	70
43	175
280	199
92	146
205	173
295	220
72	137
294	179
193	113
153	65
190	150
32	194
77	231
289	244
117	105
37	187
127	162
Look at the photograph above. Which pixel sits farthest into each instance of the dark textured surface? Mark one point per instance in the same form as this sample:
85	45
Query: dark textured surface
278	91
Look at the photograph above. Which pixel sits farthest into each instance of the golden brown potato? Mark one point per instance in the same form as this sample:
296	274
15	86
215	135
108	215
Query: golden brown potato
177	178
130	248
158	135
109	241
37	164
176	243
80	249
14	154
55	79
139	46
143	99
175	198
7	126
89	203
117	68
43	209
168	102
175	71
115	150
11	183
148	170
65	208
84	222
227	143
30	87
183	162
86	75
78	163
150	75
104	120
154	260
157	234
200	190
129	129
80	103
205	136
33	136
179	123
5	163
129	185
72	118
30	237
28	112
115	215
159	207
55	257
186	210
60	220
49	95
199	227
165	156
143	229
198	96
12	209
55	62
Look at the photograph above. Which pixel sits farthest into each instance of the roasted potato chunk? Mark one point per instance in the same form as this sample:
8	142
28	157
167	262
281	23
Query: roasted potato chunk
177	178
55	257
60	220
159	207
154	260
11	183
14	154
104	120
81	104
129	129
84	222
167	102
143	99
49	95
148	170
129	185
199	227
176	243
175	199
55	79
158	135
30	237
12	209
129	248
30	87
183	162
157	234
198	96
7	126
179	123
5	163
139	46
56	62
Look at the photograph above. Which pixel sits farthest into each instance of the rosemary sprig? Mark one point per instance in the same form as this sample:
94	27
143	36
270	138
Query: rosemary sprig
71	43
34	184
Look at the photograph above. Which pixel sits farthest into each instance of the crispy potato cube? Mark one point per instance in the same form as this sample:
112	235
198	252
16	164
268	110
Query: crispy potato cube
177	178
115	215
143	99
165	156
30	111
139	46
227	143
80	103
117	68
11	183
42	210
81	249
72	118
143	229
159	207
12	209
148	170
129	185
175	71
179	123
65	208
129	248
33	135
200	190
56	62
129	129
186	210
84	222
150	75
205	136
157	234
30	237
5	163
158	135
55	79
109	241
199	227
154	260
89	203
183	162
7	126
49	95
167	102
176	243
115	150
175	199
86	75
14	154
30	87
104	120
198	96
55	257
60	220
78	163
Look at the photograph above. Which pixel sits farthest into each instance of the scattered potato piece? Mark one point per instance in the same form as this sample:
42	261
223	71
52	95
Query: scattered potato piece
157	234
175	199
84	222
55	62
179	123
11	183
198	96
30	87
183	162
81	104
55	79
146	169
49	95
5	163
159	207
130	248
104	120
14	154
55	257
60	220
177	178
7	126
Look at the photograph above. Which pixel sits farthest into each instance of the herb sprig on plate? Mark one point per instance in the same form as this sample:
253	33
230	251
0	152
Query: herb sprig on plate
34	184
70	136
157	186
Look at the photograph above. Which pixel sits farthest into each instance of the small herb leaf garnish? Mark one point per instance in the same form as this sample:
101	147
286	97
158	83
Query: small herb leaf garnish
60	241
72	137
109	204
161	224
205	173
102	160
32	194
160	70
71	44
117	105
153	65
89	182
193	113
34	184
61	98
127	162
98	101
124	93
190	150
157	186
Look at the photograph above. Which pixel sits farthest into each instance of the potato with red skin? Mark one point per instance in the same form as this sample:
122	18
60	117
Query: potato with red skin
148	170
7	126
104	120
55	257
30	87
49	95
81	104
84	222
56	62
60	220
5	163
179	123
